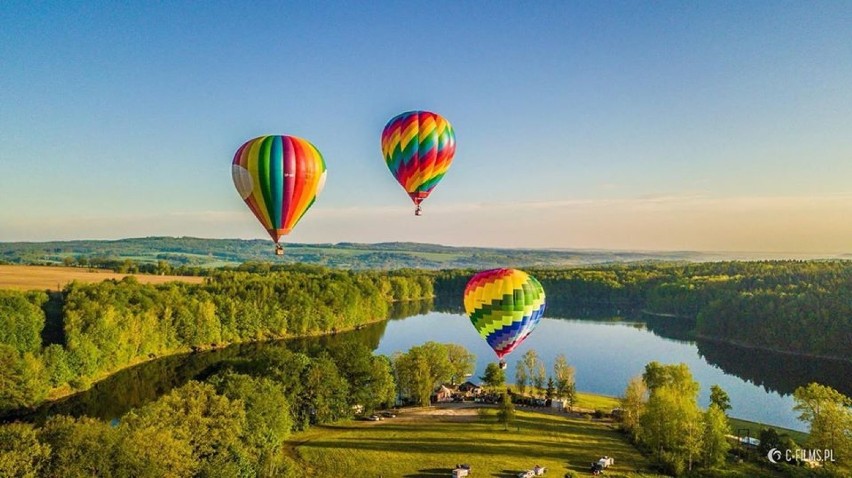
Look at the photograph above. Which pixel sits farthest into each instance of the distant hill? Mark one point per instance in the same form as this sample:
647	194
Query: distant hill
193	251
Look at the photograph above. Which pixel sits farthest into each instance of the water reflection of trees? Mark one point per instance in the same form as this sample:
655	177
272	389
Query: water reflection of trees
138	385
776	372
135	386
410	308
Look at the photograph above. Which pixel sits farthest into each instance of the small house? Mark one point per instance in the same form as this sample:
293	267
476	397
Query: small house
470	389
443	394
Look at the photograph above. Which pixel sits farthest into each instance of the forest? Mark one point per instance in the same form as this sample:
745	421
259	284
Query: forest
231	424
102	327
54	344
801	307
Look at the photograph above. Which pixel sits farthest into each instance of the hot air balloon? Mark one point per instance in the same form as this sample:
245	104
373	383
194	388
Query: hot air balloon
504	305
279	178
418	147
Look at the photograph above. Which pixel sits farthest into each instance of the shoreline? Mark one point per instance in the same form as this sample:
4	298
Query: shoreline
745	345
772	349
66	391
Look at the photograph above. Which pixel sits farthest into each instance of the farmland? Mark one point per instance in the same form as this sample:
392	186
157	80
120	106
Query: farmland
54	278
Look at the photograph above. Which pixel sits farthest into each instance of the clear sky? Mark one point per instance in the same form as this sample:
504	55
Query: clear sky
627	125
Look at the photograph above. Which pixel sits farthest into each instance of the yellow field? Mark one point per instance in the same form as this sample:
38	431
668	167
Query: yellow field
54	278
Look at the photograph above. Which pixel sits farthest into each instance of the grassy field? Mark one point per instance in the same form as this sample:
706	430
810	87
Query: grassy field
428	442
591	401
54	278
755	428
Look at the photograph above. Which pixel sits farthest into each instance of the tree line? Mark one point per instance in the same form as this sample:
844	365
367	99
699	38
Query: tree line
803	307
232	423
660	413
111	324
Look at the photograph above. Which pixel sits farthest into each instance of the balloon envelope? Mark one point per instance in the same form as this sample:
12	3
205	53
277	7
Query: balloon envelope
418	147
279	178
504	305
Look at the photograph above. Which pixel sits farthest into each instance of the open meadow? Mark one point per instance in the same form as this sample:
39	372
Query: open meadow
429	442
55	278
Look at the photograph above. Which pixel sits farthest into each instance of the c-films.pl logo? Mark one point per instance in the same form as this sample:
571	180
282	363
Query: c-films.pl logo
776	456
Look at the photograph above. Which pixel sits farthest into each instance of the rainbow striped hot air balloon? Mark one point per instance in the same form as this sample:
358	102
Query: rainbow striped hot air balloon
279	178
418	147
504	305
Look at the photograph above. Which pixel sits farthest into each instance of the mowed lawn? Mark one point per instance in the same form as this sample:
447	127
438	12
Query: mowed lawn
429	442
53	278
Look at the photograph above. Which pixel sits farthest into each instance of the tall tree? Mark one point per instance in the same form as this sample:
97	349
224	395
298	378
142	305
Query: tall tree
522	377
676	376
421	370
462	362
672	425
494	377
268	420
564	377
506	412
715	443
633	405
534	367
830	417
550	392
720	398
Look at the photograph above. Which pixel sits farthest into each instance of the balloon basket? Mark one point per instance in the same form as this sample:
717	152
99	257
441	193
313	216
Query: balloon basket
279	251
418	211
503	365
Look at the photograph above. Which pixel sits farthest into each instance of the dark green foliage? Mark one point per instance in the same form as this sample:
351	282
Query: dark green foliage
369	376
268	420
719	397
793	306
21	453
82	447
324	395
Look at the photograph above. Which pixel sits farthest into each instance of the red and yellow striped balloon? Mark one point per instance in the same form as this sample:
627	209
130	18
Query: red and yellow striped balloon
418	147
279	178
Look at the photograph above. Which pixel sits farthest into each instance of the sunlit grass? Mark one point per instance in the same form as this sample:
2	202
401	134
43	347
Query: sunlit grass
596	402
430	446
737	425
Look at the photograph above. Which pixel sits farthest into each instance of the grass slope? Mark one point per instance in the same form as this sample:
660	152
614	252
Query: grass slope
428	442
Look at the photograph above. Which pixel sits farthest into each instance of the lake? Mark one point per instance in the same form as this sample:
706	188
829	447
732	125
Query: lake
606	351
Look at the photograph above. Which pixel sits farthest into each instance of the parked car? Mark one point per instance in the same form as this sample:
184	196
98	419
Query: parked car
389	414
461	471
374	418
598	467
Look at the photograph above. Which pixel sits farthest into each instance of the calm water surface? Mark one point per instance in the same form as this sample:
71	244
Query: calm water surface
605	352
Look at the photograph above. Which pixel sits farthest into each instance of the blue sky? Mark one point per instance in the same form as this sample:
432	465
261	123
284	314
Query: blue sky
628	125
